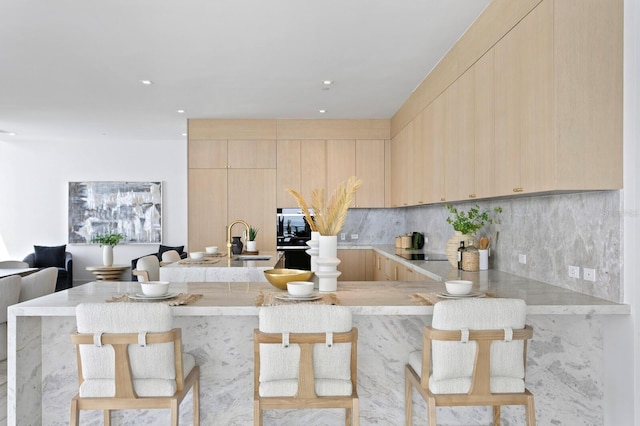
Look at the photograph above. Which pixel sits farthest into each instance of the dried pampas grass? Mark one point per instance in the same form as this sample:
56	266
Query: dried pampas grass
329	216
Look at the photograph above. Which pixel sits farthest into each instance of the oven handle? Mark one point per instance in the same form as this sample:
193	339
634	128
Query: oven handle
287	248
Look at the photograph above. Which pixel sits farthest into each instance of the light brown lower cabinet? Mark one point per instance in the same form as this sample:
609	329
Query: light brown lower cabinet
368	265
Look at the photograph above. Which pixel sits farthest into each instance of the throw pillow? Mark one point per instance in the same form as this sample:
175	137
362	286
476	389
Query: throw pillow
49	256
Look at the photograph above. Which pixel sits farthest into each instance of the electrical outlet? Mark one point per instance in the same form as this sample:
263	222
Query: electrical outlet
574	272
522	258
589	274
354	236
343	236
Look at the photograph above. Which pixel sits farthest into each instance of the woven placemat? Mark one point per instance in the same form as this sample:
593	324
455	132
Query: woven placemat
198	262
178	299
269	299
429	299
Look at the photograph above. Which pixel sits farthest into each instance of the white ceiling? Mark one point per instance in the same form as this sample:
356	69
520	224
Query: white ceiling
71	69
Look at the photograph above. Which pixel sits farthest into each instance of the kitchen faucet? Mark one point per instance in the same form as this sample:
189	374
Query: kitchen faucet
246	225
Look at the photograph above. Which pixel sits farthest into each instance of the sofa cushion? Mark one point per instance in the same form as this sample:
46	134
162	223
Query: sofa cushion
49	256
162	249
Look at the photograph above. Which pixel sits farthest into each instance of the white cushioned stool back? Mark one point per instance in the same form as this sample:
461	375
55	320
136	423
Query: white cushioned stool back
151	264
148	362
453	360
279	363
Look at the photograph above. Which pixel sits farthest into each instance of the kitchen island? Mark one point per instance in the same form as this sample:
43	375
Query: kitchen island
243	268
565	359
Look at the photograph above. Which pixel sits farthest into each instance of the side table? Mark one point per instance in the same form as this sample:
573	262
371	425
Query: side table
107	273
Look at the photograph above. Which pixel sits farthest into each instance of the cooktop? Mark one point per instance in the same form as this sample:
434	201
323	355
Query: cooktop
422	256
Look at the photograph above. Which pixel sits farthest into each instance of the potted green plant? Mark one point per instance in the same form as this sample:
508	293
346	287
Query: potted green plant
107	241
251	243
465	225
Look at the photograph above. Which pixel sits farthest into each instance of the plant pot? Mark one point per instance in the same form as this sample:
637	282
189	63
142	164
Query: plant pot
252	246
453	243
107	255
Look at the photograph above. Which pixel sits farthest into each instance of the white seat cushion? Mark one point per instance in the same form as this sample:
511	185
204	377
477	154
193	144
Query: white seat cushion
143	387
279	366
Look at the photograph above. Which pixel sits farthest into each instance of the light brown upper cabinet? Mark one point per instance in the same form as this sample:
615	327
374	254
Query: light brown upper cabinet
313	164
370	167
252	154
288	171
341	163
433	150
484	126
558	98
208	154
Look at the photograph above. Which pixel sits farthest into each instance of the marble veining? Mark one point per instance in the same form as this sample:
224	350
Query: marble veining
564	361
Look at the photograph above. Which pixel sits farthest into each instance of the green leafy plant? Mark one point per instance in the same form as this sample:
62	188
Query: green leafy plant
253	233
108	239
469	222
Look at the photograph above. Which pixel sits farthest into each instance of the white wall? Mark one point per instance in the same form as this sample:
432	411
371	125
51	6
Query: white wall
34	179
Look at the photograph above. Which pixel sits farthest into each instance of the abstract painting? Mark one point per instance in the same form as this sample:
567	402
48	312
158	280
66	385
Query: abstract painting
133	209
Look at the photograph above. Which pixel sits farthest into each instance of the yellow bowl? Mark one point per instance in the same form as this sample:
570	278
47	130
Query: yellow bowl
280	277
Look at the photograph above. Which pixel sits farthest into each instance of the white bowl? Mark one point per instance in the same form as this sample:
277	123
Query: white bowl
196	255
155	288
211	249
458	287
300	288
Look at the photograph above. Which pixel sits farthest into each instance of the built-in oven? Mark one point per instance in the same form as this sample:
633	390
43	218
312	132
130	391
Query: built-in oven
293	234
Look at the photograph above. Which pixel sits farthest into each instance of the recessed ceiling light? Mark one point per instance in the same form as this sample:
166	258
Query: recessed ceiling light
180	111
322	111
327	82
146	82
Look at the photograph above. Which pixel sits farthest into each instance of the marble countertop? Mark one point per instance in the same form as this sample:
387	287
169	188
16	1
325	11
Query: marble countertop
364	297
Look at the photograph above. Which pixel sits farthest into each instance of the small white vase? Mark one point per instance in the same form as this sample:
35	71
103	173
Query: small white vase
252	246
314	250
327	263
107	255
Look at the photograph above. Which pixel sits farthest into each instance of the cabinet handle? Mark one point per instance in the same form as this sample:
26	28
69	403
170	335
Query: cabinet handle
395	273
420	202
519	189
442	199
472	195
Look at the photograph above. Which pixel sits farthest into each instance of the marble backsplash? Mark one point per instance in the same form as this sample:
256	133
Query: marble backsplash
553	231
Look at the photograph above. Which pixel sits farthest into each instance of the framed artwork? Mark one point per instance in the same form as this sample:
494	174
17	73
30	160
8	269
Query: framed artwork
133	209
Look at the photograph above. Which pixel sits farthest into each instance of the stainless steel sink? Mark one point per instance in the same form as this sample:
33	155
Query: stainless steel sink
252	257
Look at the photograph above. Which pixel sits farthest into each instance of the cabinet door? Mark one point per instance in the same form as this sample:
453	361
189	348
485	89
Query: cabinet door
483	72
459	139
207	212
313	158
524	139
420	172
381	267
370	167
352	265
252	198
341	163
401	153
204	154
433	131
252	154
287	172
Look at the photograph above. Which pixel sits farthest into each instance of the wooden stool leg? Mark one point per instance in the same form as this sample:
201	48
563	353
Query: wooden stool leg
347	416
73	421
431	412
257	413
355	412
175	412
408	395
196	402
530	412
107	417
496	415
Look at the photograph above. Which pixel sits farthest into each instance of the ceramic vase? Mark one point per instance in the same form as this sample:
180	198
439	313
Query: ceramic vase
107	255
236	245
454	242
313	250
252	246
328	262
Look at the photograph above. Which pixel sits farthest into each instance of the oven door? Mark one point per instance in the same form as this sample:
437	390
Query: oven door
296	257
